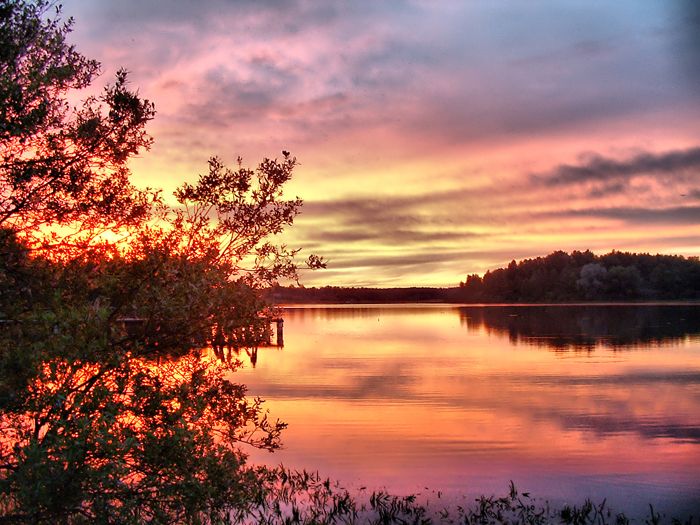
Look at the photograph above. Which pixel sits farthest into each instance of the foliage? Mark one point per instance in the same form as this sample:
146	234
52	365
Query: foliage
339	294
109	409
558	277
292	497
227	216
100	421
586	327
130	442
63	165
584	276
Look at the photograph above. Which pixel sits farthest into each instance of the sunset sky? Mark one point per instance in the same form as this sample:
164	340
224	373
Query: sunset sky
436	138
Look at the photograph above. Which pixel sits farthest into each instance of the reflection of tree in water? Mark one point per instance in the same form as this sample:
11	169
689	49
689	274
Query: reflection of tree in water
330	313
584	327
127	439
326	312
246	340
231	355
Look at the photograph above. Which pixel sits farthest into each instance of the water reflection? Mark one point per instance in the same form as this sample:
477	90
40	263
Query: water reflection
584	327
463	399
559	327
233	355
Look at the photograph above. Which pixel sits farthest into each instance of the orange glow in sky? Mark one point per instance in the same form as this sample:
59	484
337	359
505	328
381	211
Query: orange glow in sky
436	139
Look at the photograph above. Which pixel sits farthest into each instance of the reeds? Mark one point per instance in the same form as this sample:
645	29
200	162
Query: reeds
301	497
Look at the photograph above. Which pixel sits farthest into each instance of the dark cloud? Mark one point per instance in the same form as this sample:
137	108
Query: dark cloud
367	213
689	42
224	98
606	189
412	222
679	164
640	216
423	260
289	14
387	236
399	260
404	206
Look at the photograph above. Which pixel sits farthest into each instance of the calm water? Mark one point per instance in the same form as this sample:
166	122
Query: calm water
567	401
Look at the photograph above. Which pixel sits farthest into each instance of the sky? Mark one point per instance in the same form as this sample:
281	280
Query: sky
435	138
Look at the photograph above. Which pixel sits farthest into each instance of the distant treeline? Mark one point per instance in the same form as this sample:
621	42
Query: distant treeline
338	294
558	277
584	276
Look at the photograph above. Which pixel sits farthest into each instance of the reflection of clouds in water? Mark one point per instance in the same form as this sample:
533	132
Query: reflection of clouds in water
602	413
361	380
393	380
603	425
457	395
471	371
572	403
648	379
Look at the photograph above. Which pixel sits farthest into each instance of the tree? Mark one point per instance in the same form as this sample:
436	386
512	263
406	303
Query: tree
585	276
592	281
63	165
227	216
126	441
109	409
623	281
92	427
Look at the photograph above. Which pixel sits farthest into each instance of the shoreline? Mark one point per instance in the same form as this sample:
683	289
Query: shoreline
670	302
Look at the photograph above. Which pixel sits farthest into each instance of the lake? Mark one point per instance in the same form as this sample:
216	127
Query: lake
599	401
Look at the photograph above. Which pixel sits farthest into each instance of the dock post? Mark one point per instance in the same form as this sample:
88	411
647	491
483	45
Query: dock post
280	331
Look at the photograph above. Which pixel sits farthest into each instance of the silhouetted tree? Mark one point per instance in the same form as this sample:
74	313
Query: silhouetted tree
585	276
591	284
59	164
99	421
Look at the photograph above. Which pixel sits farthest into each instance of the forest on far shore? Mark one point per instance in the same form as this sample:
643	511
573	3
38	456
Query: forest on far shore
557	277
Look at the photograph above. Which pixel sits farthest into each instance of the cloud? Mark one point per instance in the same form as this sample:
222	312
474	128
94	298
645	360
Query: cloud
399	260
226	96
402	236
389	103
688	44
438	208
641	216
605	189
679	165
428	229
461	74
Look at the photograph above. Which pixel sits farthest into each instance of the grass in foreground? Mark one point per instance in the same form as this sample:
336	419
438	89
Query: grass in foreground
305	498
